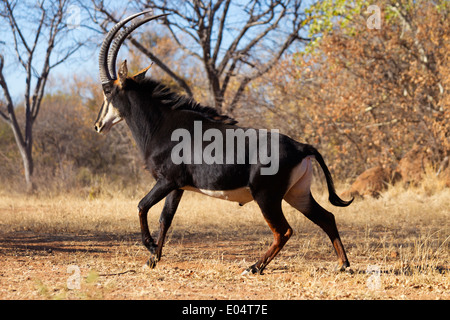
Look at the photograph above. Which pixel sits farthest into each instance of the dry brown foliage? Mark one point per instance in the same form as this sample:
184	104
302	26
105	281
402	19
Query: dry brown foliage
366	97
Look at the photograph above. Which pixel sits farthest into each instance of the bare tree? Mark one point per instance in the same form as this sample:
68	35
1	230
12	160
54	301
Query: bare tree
233	40
47	20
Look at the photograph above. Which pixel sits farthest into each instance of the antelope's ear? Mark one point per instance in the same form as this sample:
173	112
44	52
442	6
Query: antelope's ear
140	75
123	72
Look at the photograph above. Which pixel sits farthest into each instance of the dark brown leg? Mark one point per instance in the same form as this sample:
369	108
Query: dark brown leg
326	221
281	232
165	220
158	192
147	239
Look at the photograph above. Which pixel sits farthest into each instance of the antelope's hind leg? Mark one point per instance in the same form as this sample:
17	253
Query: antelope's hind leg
271	210
307	205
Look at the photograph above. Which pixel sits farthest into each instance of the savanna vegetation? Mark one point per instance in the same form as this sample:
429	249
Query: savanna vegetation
363	89
364	97
398	247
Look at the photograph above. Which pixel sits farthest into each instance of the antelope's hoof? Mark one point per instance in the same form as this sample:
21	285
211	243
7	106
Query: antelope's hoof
151	262
252	270
344	267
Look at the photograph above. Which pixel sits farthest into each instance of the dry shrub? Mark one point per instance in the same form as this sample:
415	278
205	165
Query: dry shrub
365	97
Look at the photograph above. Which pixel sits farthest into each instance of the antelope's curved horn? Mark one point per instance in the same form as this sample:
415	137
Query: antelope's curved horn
105	76
112	55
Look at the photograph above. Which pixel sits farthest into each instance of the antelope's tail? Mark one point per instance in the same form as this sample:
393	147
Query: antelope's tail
333	197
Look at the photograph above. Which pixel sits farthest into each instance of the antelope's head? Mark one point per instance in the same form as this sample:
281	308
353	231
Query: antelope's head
114	99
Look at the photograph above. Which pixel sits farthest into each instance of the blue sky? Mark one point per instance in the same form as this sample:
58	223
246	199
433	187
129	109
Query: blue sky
84	61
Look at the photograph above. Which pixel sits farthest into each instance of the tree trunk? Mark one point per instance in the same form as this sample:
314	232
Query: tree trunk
216	93
28	166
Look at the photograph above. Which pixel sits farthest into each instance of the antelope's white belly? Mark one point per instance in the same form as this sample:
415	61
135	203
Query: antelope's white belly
241	195
299	184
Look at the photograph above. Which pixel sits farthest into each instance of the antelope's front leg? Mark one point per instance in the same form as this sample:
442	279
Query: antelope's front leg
161	189
165	220
147	239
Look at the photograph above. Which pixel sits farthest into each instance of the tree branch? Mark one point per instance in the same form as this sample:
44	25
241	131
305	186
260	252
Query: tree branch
252	21
147	52
15	26
178	42
42	80
220	32
162	65
206	22
11	117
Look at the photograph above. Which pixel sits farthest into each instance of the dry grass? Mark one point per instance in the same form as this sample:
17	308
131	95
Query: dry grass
398	248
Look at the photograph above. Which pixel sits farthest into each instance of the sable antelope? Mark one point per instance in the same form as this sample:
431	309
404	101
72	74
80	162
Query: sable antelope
155	115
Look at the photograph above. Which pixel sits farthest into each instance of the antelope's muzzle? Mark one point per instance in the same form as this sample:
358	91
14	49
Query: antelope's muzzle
107	117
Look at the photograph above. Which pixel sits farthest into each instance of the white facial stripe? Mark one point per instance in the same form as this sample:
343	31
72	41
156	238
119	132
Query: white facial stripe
109	116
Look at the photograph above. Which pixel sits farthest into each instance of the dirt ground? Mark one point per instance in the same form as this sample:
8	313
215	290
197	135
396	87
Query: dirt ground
72	248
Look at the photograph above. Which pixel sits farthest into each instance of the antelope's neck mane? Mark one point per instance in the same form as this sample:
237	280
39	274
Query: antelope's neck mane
166	98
